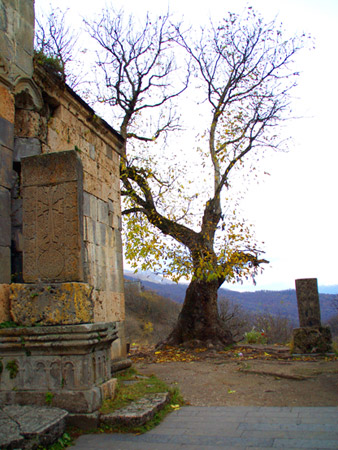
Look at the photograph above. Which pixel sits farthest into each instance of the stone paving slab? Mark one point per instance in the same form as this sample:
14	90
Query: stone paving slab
24	427
230	427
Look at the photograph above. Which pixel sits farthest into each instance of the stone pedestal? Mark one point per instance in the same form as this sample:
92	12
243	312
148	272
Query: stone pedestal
312	340
63	366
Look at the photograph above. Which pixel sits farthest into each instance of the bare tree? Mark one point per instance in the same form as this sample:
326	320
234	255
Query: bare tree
234	317
243	70
138	66
55	45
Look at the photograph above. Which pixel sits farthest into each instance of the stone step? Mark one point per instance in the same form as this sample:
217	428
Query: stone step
135	414
138	412
27	427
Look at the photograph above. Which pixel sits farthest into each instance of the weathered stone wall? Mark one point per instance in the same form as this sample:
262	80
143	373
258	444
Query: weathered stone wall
40	115
16	65
71	124
60	224
16	39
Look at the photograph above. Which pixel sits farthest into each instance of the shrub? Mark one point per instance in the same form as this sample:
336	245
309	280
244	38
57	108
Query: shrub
255	337
277	329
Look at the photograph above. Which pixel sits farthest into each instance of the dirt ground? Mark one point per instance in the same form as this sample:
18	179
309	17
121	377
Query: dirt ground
245	376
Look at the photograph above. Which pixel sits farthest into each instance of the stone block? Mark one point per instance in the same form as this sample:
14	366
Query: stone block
52	168
26	147
34	426
102	212
69	362
108	389
7	112
109	151
138	412
90	230
308	302
26	8
75	401
53	304
90	184
86	204
6	131
10	436
100	282
101	255
115	282
92	151
114	305
119	347
5	265
24	61
312	340
6	167
101	306
25	32
4	303
5	217
52	218
94	207
110	240
84	421
110	206
101	234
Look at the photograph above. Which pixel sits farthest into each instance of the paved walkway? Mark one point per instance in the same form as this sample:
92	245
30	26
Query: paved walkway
237	427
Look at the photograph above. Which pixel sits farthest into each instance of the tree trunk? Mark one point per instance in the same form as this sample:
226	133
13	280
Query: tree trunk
199	318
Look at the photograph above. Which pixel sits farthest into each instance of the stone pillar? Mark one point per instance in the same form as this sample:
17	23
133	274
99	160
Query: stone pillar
308	302
72	358
311	337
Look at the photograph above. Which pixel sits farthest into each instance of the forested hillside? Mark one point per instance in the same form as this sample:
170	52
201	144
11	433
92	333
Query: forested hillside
282	303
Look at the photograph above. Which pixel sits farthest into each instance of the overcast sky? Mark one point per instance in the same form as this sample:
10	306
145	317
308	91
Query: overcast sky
295	209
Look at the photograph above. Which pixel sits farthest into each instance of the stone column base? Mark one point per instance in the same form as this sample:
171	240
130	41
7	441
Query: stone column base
67	366
311	340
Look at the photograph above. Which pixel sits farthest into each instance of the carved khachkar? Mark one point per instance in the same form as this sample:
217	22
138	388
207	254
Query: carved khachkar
308	302
52	217
310	337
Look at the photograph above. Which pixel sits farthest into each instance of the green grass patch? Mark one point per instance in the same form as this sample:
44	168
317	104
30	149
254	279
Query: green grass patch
127	393
63	442
176	401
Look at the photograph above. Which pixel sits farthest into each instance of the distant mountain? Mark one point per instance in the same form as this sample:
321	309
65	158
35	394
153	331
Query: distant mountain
329	289
274	302
146	275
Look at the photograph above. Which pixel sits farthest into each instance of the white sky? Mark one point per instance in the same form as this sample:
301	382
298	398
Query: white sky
295	209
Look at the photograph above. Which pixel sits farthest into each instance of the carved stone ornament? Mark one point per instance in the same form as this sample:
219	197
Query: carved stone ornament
71	362
28	95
